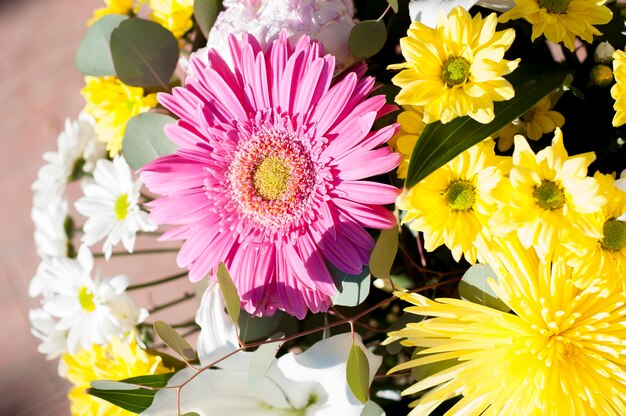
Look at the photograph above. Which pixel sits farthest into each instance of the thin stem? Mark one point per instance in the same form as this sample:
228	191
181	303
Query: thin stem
384	13
146	251
185	297
156	282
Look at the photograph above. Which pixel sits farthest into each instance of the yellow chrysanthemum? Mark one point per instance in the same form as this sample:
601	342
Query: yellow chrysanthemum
118	360
112	103
561	353
112	7
547	194
453	204
539	120
603	257
457	68
561	20
618	91
174	15
411	126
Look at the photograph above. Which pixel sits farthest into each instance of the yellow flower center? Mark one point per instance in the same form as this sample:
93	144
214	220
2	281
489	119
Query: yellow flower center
85	298
554	6
614	235
121	207
271	178
455	71
549	195
460	195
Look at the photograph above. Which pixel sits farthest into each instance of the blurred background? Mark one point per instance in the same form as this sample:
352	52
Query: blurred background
39	88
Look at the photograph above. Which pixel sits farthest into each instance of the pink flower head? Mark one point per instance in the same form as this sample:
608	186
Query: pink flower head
267	175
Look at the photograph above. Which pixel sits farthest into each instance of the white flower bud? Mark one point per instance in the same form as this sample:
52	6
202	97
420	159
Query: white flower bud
603	53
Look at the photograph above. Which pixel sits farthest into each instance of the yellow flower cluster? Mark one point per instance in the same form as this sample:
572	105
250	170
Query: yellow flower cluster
121	359
112	7
112	103
546	200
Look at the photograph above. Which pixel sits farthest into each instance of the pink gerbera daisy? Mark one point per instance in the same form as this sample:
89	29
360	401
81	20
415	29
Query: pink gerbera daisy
267	176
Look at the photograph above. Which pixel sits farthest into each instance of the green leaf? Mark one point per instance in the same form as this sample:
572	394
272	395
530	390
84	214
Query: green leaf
371	408
358	373
384	253
206	12
174	340
261	362
93	56
439	143
144	53
473	287
367	38
229	291
112	385
252	328
353	290
136	400
394	5
145	139
191	414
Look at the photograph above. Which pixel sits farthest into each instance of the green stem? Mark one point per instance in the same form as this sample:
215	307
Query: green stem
185	297
156	282
147	251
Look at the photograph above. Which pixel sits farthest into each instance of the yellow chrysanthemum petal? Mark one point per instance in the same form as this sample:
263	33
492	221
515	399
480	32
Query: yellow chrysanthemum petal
174	15
618	91
561	20
561	353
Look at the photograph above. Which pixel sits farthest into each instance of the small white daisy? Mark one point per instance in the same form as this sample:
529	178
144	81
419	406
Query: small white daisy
91	310
111	205
49	221
43	327
78	150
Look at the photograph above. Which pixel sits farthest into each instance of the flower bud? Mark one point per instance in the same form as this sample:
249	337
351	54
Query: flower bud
603	53
601	76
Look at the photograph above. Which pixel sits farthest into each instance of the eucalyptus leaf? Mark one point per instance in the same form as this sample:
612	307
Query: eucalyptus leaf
353	289
371	408
439	143
144	53
384	253
174	340
191	414
136	400
252	328
358	373
145	140
474	287
229	291
93	56
261	362
367	38
206	12
112	385
394	5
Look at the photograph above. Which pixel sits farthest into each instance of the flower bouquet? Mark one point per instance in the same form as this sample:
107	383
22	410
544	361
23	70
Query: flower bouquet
372	207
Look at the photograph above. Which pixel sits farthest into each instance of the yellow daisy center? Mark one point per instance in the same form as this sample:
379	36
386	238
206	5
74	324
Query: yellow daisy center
549	195
455	71
85	298
554	6
271	178
614	235
460	195
121	207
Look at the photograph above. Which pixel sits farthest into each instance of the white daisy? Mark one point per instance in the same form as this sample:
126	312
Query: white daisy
49	221
621	185
111	205
78	149
312	383
91	310
43	326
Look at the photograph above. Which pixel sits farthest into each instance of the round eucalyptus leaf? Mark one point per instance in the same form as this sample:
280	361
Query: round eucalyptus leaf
93	56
